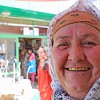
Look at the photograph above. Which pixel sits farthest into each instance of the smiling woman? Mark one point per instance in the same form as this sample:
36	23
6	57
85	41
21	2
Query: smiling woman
74	44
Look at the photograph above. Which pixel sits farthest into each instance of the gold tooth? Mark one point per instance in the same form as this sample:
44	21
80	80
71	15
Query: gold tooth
77	69
72	68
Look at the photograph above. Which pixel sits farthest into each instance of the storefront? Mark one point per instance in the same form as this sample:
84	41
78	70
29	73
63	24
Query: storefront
10	47
20	28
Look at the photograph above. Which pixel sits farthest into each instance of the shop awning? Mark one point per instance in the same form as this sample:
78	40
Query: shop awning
11	14
23	16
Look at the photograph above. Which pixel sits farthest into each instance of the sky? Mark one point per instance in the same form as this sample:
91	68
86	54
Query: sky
48	7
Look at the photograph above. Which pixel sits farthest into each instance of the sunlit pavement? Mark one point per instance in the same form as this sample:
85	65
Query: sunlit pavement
21	90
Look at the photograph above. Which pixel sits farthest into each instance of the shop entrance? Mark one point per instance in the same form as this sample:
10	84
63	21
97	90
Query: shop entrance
26	43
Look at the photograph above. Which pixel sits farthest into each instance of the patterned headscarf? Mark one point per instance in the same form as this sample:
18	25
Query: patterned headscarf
84	12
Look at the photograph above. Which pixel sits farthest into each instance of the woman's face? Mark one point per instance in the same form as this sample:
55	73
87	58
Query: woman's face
29	51
41	53
76	56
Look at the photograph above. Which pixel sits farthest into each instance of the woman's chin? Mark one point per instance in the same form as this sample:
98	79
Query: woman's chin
76	85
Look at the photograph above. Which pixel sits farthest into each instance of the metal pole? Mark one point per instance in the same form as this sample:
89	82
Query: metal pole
14	71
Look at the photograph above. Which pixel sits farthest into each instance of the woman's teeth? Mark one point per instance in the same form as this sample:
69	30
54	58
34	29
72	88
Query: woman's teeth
77	69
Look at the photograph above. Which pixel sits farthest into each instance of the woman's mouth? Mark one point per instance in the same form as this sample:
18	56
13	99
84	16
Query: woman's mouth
77	69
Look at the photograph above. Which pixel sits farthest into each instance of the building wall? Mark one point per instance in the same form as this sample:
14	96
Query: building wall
19	30
10	29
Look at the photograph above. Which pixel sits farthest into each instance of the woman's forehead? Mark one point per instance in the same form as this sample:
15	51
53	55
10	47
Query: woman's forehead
75	28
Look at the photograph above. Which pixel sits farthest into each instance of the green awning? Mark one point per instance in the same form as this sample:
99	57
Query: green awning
22	16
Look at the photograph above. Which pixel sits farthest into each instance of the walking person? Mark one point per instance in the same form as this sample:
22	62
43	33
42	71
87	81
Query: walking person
31	66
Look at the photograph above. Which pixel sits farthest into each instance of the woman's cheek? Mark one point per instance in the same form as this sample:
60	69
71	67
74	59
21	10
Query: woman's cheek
59	58
93	58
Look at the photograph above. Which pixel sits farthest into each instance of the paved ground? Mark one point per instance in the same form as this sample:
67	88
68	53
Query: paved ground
36	83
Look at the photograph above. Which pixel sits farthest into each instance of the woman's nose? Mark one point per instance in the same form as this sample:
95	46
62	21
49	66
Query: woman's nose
76	54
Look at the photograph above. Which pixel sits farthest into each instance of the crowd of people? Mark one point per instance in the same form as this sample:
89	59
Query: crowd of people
28	64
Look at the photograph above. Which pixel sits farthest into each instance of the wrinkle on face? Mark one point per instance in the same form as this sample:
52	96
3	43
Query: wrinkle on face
75	46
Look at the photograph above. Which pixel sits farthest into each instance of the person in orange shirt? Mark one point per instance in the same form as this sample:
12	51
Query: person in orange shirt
44	78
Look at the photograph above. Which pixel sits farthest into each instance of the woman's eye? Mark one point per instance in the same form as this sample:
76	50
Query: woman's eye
88	44
63	46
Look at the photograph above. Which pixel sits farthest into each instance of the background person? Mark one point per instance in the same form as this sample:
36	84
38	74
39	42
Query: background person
74	51
44	78
24	61
31	66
